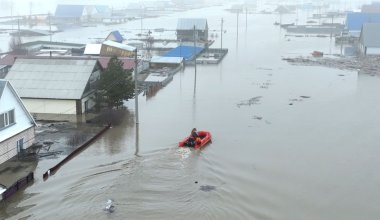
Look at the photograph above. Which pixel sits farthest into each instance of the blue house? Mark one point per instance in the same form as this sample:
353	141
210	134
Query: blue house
355	21
75	12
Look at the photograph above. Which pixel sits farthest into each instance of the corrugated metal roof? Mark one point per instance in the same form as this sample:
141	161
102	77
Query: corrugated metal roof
51	78
188	24
187	52
117	36
370	35
92	49
69	11
355	20
119	45
171	60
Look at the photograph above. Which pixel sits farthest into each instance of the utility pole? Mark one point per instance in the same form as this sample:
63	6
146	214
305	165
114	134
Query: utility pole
195	55
246	17
237	24
136	91
221	36
49	26
195	60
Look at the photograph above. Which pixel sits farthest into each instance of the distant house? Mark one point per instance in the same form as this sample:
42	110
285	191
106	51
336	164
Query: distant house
369	42
115	36
111	48
38	47
55	85
79	13
185	29
16	124
74	13
355	21
374	7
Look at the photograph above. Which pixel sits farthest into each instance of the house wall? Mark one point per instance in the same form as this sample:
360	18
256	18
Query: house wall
50	106
8	102
8	148
113	51
90	103
188	35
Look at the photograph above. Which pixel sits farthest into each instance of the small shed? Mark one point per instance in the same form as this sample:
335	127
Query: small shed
369	43
159	62
185	29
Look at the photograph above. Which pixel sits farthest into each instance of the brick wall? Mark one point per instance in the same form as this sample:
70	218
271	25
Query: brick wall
8	148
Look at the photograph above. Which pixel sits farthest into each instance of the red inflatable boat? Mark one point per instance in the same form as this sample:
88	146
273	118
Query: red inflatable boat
205	137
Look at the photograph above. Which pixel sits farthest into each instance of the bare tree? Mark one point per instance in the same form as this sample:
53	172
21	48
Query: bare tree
15	45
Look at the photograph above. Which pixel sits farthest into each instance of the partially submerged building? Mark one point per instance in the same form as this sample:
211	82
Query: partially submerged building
80	13
355	21
55	85
369	42
185	52
161	62
186	27
16	124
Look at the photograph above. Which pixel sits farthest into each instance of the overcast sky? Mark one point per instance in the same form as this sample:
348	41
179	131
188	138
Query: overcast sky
22	7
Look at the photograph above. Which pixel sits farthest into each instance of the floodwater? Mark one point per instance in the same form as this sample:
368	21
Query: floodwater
289	142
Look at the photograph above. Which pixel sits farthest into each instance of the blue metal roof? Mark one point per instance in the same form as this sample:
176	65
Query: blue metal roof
187	52
355	20
69	11
117	35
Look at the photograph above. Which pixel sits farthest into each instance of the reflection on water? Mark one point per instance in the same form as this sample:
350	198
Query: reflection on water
306	150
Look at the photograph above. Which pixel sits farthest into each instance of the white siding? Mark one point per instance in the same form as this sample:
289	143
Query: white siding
50	106
373	51
8	102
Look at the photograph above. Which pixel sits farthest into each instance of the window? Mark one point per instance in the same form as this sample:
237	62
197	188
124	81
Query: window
7	118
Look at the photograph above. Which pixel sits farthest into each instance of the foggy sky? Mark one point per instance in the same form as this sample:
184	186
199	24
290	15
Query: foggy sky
24	7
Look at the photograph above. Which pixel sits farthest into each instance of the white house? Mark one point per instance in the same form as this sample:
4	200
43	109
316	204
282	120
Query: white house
55	85
369	42
16	124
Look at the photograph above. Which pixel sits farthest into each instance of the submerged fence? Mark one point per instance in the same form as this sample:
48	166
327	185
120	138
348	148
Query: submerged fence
54	169
20	184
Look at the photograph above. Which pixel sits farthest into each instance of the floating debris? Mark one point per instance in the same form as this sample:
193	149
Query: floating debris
109	206
257	117
251	101
207	188
366	65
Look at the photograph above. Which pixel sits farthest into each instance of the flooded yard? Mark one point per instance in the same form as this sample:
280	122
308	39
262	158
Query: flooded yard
288	141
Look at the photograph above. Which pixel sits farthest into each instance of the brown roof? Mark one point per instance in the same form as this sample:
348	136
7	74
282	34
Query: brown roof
8	60
129	63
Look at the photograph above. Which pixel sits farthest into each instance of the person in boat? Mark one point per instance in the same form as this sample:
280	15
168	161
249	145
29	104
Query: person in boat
194	138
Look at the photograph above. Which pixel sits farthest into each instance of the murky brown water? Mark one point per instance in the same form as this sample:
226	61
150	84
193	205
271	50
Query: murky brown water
289	142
